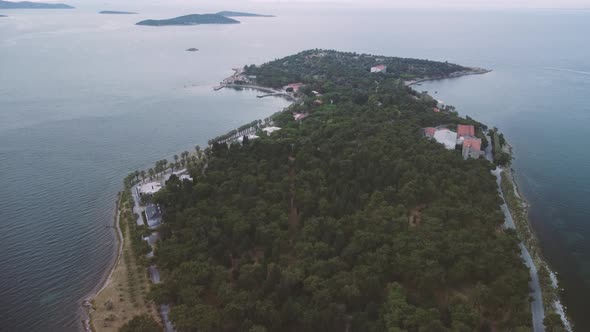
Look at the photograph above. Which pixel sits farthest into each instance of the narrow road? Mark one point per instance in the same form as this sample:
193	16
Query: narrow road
537	310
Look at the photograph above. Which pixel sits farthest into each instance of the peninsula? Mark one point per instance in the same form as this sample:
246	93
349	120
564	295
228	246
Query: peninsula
241	14
193	19
114	12
3	16
338	213
32	5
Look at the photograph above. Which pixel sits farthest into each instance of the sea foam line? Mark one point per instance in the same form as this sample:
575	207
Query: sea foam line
569	70
558	306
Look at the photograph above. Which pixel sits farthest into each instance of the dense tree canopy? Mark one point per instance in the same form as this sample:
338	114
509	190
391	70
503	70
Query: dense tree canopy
347	220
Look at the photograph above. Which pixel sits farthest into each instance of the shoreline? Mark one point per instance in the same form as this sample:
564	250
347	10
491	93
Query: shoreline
549	288
471	71
86	303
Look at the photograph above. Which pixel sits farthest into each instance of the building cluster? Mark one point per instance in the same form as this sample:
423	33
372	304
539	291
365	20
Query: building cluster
464	138
153	212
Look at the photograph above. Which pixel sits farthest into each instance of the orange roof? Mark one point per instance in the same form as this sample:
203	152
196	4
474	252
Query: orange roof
436	110
465	130
473	143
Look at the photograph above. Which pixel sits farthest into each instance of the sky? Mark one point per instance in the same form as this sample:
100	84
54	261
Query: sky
419	4
440	3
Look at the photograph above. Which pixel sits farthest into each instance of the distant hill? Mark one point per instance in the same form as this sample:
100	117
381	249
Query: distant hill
193	19
3	16
240	14
114	12
32	5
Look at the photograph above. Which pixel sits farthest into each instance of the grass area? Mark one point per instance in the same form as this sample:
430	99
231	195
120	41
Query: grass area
518	208
124	295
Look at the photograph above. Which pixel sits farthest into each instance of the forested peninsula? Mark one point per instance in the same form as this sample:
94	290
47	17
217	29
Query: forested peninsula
32	5
345	219
241	14
192	19
115	12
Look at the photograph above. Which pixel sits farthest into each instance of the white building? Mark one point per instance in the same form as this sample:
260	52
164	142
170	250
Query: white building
447	138
250	137
270	130
149	188
379	69
185	177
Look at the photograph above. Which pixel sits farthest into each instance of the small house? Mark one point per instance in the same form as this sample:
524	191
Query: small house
379	69
471	148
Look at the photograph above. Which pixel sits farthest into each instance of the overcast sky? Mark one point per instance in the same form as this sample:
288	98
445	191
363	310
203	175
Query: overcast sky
418	3
309	4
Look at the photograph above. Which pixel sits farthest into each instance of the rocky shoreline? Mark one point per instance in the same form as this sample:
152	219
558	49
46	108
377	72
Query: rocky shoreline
518	206
471	71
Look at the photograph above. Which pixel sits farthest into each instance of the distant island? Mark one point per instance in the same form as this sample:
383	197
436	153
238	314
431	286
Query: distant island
192	49
32	5
3	16
114	12
193	19
240	14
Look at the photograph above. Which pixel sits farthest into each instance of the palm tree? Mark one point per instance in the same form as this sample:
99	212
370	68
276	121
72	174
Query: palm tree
197	149
175	158
137	175
151	173
142	175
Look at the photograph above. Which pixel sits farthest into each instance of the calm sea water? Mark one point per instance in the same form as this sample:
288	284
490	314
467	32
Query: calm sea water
87	98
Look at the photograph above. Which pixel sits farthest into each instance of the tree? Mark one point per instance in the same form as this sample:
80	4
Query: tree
143	175
553	323
142	323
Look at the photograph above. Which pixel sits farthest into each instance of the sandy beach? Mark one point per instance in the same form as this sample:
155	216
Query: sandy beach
123	293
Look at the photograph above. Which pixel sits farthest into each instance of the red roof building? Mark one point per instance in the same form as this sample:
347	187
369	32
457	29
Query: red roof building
465	130
379	69
436	110
294	86
471	148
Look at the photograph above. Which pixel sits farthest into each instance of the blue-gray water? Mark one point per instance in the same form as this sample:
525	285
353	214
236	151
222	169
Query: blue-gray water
87	98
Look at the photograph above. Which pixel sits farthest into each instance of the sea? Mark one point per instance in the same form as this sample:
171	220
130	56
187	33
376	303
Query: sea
86	99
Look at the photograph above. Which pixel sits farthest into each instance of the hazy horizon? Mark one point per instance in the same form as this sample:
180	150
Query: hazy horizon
369	4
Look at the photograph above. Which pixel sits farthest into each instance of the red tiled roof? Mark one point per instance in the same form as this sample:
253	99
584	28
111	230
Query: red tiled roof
465	130
429	131
473	143
436	110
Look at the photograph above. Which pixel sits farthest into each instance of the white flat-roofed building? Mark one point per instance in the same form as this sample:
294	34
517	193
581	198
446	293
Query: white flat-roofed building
270	130
149	188
185	177
447	138
250	137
